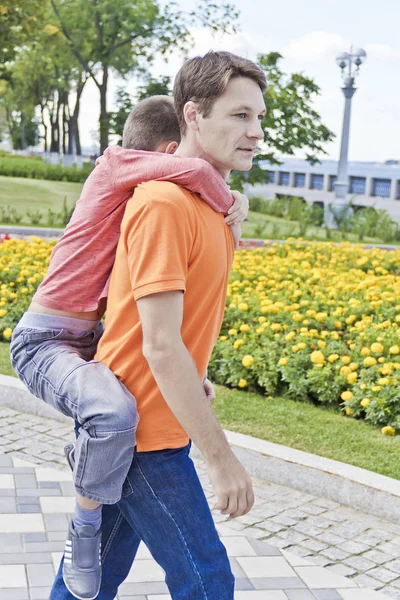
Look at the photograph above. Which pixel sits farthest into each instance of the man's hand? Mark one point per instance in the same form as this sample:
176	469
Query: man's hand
209	390
239	210
232	485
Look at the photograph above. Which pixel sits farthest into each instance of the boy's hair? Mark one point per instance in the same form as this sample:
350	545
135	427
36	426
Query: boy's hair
150	123
204	78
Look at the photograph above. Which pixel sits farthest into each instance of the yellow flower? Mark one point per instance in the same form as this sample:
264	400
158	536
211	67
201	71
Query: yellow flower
376	388
369	361
333	357
242	383
338	324
345	370
244	327
321	316
365	351
7	333
377	348
238	343
388	430
363	386
381	359
261	319
352	378
365	402
383	381
3	312
247	360
394	349
354	366
283	361
243	306
276	326
347	395
289	337
321	344
346	360
232	305
317	357
223	338
349	411
232	331
301	345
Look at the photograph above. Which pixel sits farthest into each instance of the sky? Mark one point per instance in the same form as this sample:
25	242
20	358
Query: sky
309	35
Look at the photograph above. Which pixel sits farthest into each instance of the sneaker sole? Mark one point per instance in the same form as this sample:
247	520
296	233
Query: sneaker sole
80	597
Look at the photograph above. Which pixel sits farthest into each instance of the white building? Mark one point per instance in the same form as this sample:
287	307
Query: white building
370	184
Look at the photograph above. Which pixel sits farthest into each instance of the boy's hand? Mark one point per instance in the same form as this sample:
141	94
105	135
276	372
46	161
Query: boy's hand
209	390
237	233
239	210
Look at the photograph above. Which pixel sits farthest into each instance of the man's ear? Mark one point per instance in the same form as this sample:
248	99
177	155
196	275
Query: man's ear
191	115
171	148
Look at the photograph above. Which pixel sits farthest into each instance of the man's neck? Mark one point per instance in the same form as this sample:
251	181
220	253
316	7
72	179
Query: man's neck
190	149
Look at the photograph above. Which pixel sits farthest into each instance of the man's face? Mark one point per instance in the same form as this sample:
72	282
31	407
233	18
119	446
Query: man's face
229	135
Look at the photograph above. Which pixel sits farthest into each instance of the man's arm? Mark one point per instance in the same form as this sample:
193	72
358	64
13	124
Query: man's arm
177	378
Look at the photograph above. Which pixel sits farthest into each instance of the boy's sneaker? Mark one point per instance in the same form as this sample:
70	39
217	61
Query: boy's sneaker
82	562
69	451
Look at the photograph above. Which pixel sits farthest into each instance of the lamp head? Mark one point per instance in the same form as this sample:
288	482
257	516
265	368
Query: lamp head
343	60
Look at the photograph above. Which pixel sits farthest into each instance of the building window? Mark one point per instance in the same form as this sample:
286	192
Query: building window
271	176
317	182
332	182
357	185
299	180
284	178
381	188
398	191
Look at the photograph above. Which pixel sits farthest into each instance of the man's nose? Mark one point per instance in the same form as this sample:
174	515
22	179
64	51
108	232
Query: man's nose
256	130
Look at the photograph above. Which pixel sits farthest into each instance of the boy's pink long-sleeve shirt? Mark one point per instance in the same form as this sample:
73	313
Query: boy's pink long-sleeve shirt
81	262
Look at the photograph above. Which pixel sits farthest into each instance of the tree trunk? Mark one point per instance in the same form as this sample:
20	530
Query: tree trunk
55	124
74	142
23	138
42	107
104	117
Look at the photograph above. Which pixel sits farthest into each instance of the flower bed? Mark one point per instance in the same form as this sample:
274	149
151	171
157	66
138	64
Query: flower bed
318	323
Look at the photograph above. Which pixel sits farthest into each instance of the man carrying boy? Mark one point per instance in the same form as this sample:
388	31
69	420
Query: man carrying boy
56	339
165	308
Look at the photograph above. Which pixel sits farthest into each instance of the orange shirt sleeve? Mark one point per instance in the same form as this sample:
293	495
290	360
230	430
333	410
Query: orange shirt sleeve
157	238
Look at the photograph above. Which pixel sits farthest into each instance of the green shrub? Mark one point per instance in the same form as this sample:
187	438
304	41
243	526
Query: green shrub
32	168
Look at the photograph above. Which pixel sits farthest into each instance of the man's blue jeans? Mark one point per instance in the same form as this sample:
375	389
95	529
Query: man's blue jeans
164	505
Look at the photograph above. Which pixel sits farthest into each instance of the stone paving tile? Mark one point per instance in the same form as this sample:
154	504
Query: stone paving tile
352	544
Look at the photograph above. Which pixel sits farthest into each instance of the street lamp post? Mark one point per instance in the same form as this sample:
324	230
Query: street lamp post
350	63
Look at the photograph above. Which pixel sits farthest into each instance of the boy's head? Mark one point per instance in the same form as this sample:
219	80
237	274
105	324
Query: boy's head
152	125
219	104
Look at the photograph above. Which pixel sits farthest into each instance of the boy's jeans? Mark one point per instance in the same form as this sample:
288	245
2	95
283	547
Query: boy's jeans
164	505
53	356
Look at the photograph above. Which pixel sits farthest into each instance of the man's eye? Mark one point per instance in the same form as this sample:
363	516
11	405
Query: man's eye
241	115
260	117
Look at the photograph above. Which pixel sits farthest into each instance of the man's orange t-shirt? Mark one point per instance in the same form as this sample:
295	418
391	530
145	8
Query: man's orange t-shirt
170	240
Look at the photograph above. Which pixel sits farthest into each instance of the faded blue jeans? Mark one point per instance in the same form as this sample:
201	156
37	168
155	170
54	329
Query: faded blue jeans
164	505
53	356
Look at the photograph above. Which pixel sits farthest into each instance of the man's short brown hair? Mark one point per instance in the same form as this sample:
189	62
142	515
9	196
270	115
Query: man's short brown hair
150	123
204	78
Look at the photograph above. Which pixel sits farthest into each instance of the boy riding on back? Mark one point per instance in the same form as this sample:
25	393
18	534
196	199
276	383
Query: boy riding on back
54	343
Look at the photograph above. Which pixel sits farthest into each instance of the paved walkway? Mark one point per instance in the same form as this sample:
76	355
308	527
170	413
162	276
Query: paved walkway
292	546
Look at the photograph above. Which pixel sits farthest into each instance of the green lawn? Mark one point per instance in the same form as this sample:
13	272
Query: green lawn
298	425
277	228
32	194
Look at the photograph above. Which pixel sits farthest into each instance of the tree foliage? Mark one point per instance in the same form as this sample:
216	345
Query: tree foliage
291	122
125	37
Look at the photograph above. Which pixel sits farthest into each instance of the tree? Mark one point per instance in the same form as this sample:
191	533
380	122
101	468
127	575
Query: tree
291	123
20	23
125	37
